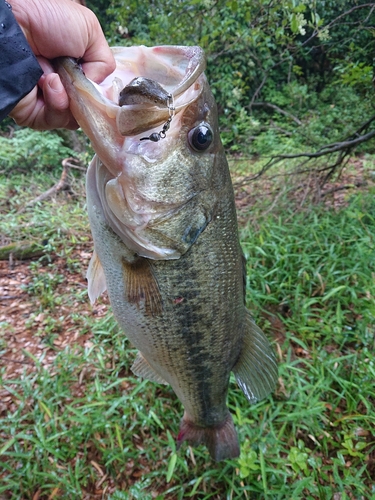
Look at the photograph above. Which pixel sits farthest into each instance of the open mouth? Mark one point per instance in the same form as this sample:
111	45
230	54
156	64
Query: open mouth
172	81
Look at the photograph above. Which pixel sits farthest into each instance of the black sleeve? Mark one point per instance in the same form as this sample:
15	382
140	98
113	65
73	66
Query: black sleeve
19	68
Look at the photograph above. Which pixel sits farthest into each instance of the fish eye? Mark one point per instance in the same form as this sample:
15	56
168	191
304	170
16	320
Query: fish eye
201	137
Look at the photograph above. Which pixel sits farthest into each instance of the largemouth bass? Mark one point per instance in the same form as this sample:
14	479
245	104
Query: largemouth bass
166	246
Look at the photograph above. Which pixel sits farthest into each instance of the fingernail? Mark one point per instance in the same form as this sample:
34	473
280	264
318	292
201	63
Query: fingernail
55	84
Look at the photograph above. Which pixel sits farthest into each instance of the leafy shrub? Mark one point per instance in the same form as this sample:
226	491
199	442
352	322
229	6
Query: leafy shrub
287	53
30	148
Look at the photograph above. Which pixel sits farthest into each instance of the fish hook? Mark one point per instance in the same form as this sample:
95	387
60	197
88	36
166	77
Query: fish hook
156	136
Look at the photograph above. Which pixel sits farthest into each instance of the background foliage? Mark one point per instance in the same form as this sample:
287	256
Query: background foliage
311	58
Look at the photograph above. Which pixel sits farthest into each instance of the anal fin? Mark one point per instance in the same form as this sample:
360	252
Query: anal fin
96	279
142	369
256	369
141	286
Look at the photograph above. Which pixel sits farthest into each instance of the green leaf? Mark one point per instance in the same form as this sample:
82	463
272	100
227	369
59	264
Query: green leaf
298	459
156	418
196	485
7	445
171	442
171	466
294	24
332	292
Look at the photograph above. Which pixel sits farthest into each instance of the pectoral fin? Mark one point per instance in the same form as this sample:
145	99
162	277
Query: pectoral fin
142	369
141	287
256	369
96	279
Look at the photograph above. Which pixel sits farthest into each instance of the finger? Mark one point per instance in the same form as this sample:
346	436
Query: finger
97	61
26	110
97	71
46	65
57	28
45	108
56	109
54	93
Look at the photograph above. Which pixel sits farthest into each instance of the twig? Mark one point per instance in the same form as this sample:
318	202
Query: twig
331	148
262	83
341	188
356	7
279	110
61	185
67	162
10	297
9	360
275	200
279	129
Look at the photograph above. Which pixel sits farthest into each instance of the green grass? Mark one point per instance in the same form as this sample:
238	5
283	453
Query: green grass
87	428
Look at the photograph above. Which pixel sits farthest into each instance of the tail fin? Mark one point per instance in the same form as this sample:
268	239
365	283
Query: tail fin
256	369
221	440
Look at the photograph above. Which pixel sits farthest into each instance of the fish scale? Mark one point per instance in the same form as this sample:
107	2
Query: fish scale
163	220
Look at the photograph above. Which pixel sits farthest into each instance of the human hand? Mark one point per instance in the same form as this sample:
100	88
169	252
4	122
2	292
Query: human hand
56	28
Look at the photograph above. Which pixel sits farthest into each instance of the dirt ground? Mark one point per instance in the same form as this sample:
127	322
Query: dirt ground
23	336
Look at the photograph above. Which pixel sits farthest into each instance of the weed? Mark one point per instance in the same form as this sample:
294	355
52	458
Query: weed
43	285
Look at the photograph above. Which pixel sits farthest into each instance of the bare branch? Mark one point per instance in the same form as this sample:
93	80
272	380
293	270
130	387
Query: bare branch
344	150
346	13
62	184
332	148
279	110
341	188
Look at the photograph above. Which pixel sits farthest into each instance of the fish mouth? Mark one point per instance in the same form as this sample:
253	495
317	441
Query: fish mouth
176	69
